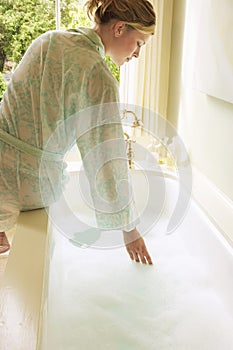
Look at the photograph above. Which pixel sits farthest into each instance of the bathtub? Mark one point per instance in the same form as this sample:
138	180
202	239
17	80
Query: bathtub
94	296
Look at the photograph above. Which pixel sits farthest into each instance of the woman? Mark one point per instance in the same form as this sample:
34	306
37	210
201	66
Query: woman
62	73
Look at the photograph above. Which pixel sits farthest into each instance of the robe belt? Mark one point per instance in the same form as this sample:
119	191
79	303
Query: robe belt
29	149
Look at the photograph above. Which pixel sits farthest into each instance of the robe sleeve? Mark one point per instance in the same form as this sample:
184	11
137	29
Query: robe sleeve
102	147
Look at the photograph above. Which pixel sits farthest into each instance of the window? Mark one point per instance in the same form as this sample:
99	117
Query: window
21	21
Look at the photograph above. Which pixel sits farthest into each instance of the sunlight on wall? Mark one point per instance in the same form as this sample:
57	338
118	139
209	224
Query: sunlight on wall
204	123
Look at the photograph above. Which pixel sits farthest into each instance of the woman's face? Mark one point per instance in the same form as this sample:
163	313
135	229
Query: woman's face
126	44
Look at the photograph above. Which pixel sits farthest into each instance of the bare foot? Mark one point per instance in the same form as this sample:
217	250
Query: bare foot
4	244
136	247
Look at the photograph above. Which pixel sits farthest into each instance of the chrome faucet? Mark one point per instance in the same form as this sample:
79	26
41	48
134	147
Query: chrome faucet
131	139
129	149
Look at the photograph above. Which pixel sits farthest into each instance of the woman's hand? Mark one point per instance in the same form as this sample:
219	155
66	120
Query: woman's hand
136	247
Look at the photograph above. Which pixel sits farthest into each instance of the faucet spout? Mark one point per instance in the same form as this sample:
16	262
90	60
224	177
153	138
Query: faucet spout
137	121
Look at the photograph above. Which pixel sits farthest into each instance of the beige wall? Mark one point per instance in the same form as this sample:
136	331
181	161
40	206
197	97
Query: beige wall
204	123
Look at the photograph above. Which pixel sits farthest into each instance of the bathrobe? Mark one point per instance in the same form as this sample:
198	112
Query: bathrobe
63	93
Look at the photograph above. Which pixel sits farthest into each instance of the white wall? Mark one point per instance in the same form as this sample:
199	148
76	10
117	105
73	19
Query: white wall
204	123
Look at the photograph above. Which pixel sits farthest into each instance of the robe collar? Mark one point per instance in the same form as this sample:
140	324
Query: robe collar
93	37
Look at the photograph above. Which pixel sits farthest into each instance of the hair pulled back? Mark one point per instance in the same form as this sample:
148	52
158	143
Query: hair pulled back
138	14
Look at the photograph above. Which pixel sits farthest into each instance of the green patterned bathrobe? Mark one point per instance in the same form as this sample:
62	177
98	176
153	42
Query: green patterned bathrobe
47	107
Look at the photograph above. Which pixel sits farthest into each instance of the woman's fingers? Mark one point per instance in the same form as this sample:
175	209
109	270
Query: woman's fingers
138	252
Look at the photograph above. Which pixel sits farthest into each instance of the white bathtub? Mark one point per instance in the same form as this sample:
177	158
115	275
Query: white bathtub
96	298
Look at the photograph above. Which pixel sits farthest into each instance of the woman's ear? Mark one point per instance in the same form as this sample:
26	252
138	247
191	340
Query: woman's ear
119	28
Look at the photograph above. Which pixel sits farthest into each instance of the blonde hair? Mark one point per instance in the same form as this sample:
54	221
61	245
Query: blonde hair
138	14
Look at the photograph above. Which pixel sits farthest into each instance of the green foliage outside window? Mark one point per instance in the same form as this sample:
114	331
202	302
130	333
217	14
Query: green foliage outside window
2	85
21	21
